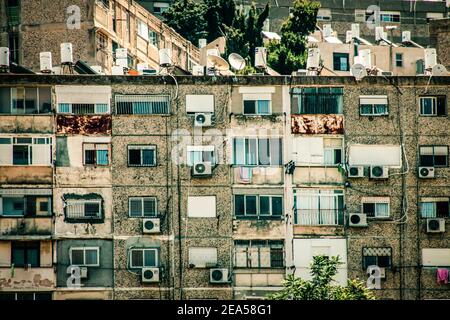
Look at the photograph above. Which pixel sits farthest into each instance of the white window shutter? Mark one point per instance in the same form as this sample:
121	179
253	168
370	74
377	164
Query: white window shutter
6	154
201	207
41	154
202	257
308	150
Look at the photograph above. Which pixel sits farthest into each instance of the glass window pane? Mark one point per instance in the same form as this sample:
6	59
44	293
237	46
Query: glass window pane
251	154
148	157
134	157
77	257
382	210
250	202
428	209
91	209
263	107
18	257
370	261
135	207
249	107
33	257
149	207
91	257
264	205
89	156
264	152
101	108
277	206
239	205
137	258
239	151
21	155
102	157
384	261
150	258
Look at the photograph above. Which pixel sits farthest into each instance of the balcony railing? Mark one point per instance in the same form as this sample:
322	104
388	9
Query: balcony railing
319	217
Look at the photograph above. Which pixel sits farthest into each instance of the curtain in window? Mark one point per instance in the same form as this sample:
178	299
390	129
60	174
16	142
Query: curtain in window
382	210
263	106
428	209
380	109
250	152
239	151
135	207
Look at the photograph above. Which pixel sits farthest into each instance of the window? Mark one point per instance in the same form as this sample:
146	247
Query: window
142	156
433	106
399	59
315	207
160	7
83	209
18	205
317	151
25	253
142	207
96	154
153	38
436	257
25	296
142	29
105	3
201	206
197	154
85	256
433	156
14	45
128	26
340	61
376	207
324	14
254	151
25	100
102	41
143	258
13	13
434	207
259	253
142	104
389	16
83	108
380	257
258	206
317	100
373	105
202	257
434	15
25	151
257	107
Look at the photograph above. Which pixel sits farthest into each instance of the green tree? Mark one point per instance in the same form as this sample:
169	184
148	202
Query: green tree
245	33
187	18
218	13
290	53
320	287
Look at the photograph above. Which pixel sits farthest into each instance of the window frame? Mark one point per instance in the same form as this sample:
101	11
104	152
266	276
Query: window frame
95	156
189	152
373	106
26	246
341	55
142	147
257	113
257	160
375	202
96	107
84	249
142	198
130	257
258	215
247	245
435	99
98	218
434	165
363	256
399	62
435	213
25	200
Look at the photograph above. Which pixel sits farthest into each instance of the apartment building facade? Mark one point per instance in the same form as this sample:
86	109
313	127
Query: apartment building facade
219	187
96	29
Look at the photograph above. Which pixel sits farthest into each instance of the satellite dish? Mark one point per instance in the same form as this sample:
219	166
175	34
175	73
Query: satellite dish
438	70
358	71
218	63
236	61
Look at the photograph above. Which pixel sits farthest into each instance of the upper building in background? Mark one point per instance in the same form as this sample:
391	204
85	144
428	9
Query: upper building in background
96	29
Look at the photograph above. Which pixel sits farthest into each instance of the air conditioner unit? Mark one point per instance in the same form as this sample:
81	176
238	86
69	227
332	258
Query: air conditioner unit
379	172
152	225
83	271
435	225
202	120
218	275
202	169
357	220
382	272
356	172
150	275
426	172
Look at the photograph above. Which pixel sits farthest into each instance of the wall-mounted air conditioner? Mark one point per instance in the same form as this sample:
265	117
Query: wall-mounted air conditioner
379	172
357	220
152	225
201	169
356	172
218	275
150	275
202	120
426	172
83	271
435	225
